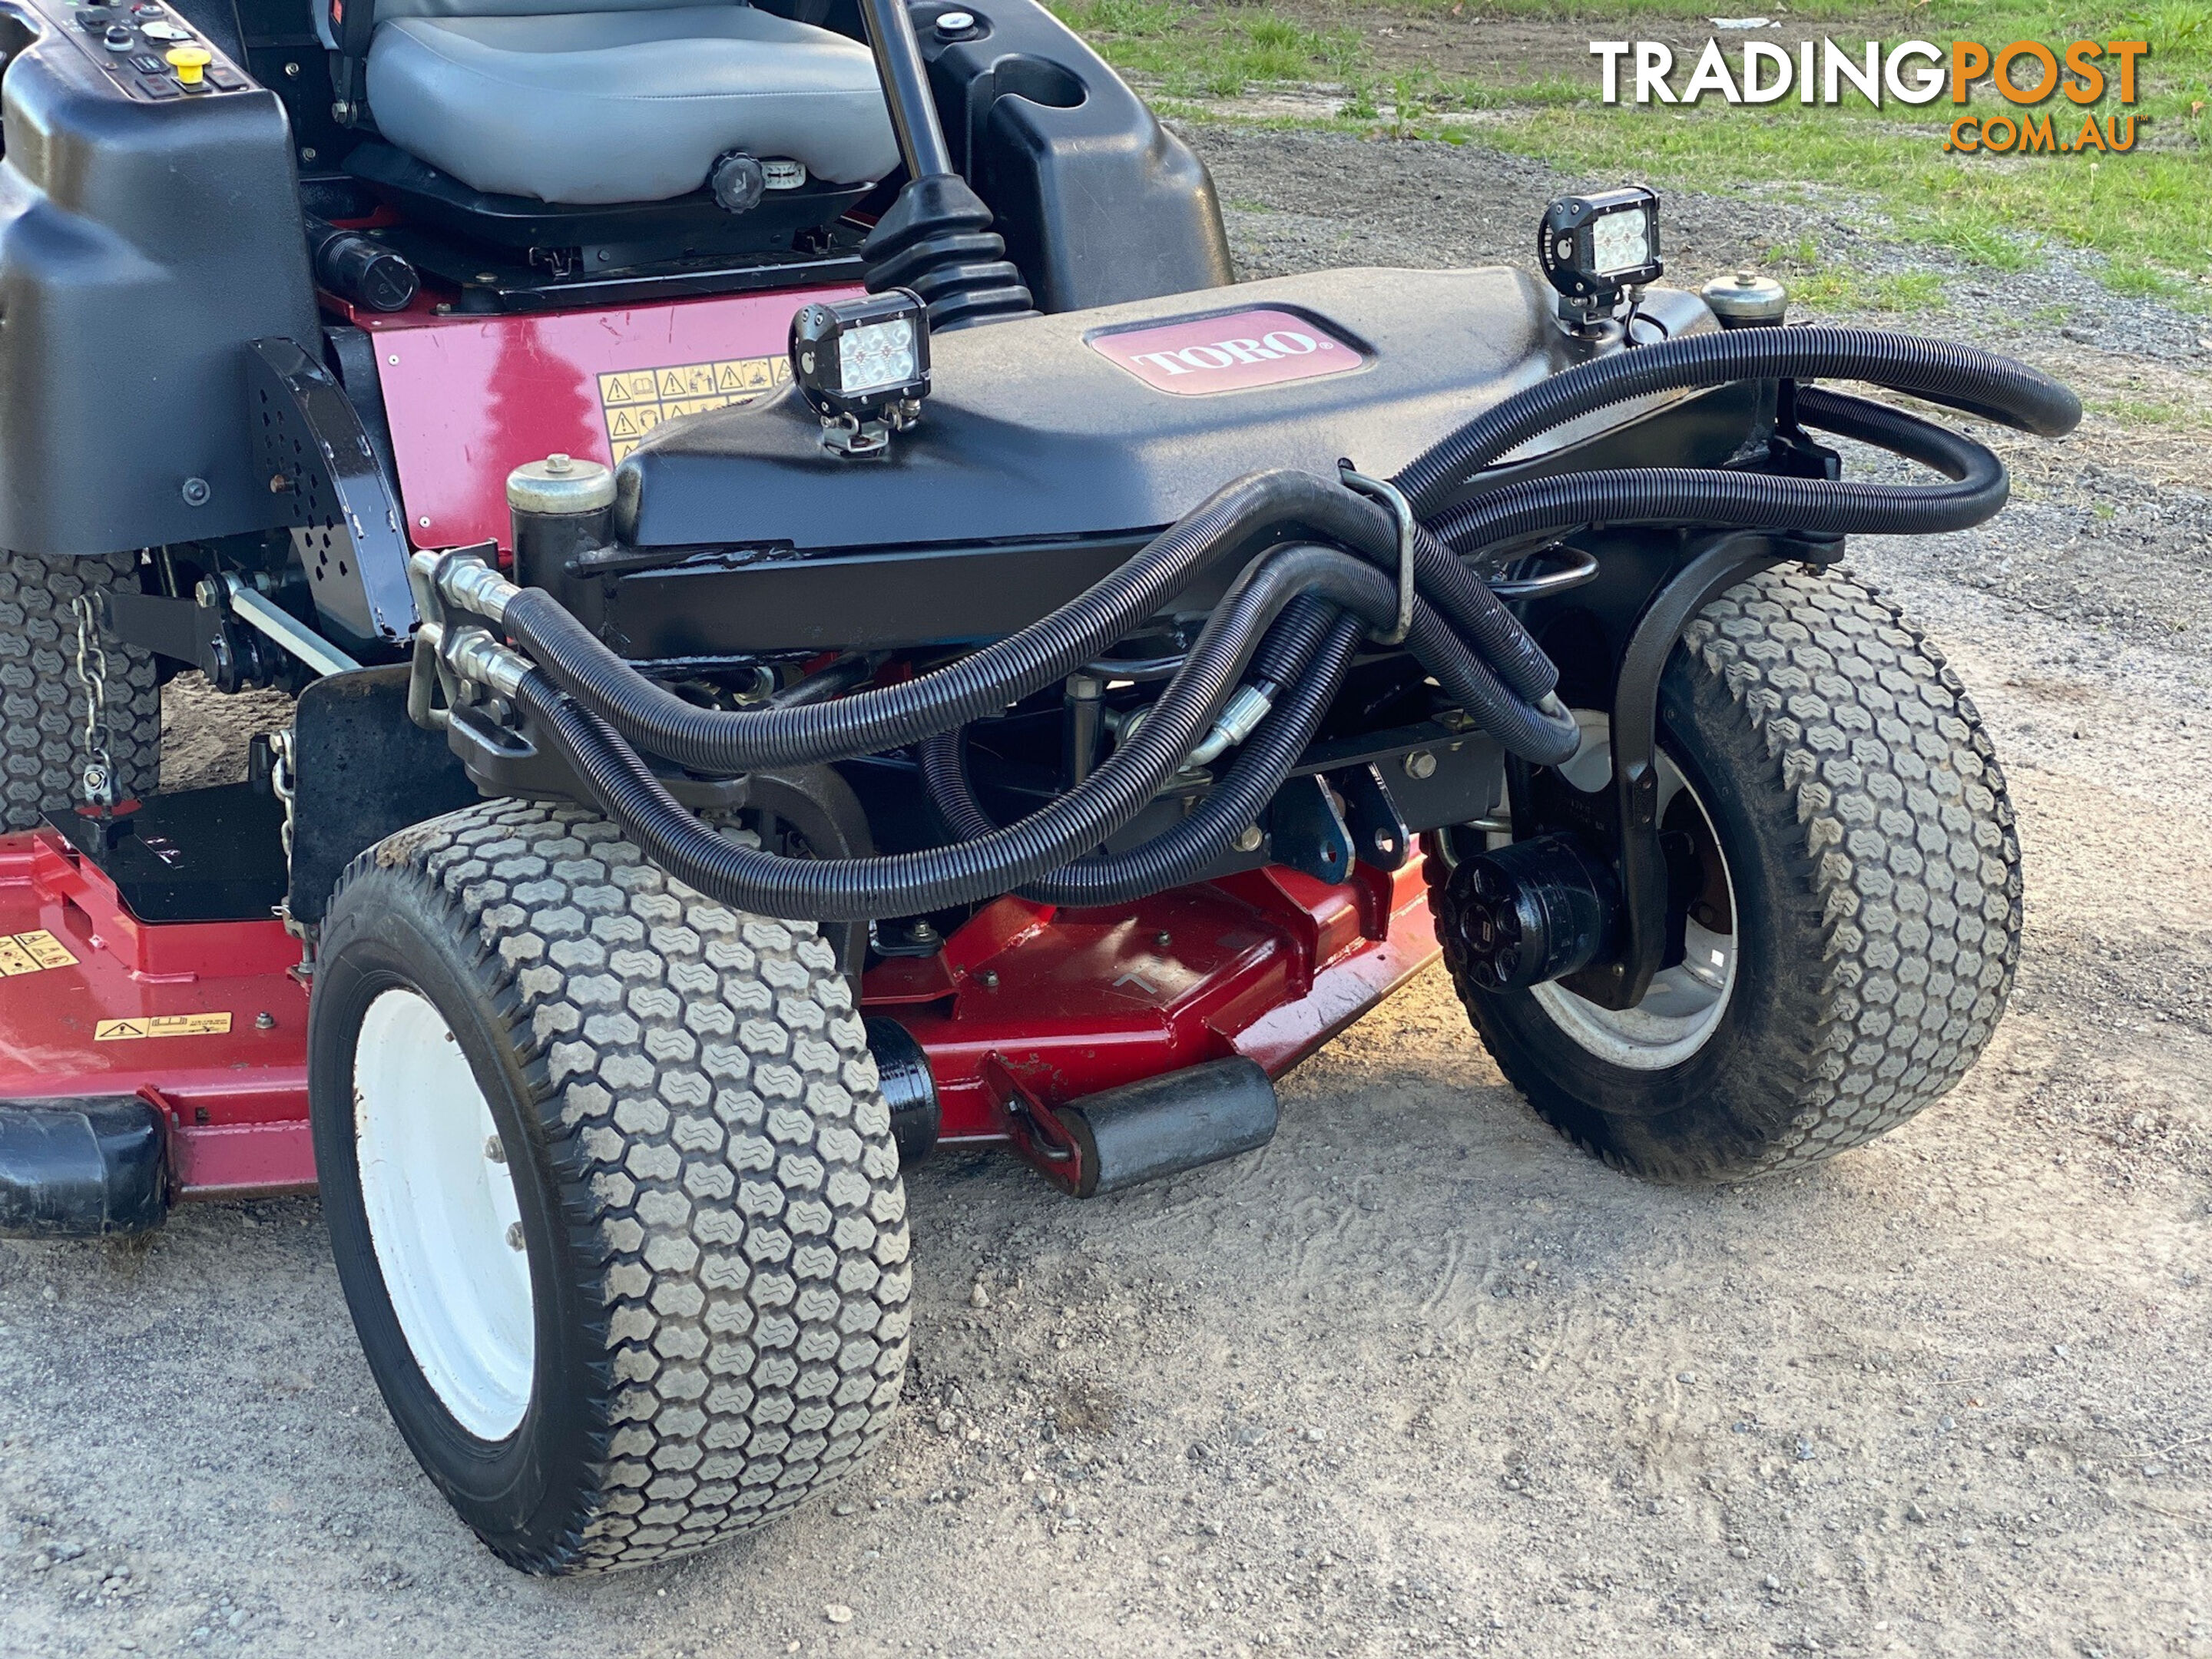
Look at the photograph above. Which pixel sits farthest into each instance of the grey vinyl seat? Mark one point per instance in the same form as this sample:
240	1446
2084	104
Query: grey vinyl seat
595	102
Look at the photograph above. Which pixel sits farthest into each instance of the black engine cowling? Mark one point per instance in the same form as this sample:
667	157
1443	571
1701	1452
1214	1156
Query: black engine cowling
1050	447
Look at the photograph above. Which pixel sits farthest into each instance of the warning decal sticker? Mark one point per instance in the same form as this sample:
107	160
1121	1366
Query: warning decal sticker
28	953
162	1025
636	400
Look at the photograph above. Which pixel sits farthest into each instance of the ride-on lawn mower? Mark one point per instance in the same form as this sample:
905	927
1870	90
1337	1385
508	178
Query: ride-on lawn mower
821	623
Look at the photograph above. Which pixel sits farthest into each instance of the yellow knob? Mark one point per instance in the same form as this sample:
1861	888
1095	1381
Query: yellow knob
189	62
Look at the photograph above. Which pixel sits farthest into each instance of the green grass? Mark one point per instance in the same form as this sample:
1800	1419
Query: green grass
2147	411
2148	213
1219	55
1833	287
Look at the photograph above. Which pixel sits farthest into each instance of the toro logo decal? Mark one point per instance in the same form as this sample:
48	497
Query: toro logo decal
1229	353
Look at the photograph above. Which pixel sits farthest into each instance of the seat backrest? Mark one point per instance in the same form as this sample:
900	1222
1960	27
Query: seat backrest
331	15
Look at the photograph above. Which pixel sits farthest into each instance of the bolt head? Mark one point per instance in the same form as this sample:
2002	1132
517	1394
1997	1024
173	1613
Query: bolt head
514	1236
1249	839
1421	763
494	1149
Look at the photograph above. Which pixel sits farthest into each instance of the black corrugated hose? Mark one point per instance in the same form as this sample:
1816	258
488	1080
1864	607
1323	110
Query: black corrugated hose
1959	376
905	883
1178	854
595	705
1232	524
1681	494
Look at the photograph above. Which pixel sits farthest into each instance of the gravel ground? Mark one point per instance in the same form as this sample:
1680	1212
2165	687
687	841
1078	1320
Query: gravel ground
1418	1377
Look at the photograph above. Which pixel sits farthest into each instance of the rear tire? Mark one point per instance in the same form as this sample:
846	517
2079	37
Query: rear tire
1874	874
691	1152
42	701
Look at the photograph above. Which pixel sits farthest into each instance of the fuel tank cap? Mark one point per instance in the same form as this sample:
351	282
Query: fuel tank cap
1747	299
559	483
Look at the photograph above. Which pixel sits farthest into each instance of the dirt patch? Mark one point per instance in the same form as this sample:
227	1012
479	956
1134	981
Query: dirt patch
205	734
1418	1378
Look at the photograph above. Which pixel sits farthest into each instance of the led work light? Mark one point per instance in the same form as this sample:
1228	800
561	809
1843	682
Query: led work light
1594	248
863	365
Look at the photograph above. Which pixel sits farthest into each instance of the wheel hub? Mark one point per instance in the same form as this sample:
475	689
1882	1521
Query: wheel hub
1687	998
436	1185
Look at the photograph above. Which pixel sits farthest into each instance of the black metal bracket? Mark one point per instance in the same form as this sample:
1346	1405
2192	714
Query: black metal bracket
1713	564
1380	834
506	760
210	637
1306	830
816	806
183	629
313	454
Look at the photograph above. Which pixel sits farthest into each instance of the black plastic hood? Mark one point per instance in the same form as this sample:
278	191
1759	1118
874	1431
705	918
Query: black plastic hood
1121	419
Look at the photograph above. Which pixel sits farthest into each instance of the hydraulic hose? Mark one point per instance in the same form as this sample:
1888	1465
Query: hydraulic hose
1281	661
1961	377
1292	618
1266	759
1228	525
905	883
1700	495
1181	854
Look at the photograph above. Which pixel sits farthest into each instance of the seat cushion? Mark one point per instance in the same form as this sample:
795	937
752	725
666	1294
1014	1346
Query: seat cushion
625	106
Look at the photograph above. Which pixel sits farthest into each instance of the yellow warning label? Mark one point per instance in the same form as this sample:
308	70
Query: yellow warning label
162	1025
636	400
26	953
45	949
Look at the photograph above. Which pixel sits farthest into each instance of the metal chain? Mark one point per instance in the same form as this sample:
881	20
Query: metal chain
99	775
283	784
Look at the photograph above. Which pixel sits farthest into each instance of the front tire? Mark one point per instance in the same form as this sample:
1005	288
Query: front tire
1872	900
610	1186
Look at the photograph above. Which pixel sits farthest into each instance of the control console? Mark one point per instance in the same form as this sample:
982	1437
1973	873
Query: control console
147	49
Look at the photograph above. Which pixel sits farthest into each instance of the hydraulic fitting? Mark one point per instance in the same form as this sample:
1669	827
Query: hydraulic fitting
476	586
1236	722
475	655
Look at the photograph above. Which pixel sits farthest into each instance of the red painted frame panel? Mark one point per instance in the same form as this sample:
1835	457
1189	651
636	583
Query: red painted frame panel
471	398
1269	964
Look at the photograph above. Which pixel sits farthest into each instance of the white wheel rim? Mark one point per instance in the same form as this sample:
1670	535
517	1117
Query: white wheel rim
1683	1008
441	1214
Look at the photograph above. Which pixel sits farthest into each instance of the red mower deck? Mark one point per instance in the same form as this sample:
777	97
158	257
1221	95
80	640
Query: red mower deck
1025	1007
205	1019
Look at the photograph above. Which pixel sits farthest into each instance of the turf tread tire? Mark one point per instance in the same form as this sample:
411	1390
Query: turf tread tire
1880	793
42	702
709	1112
